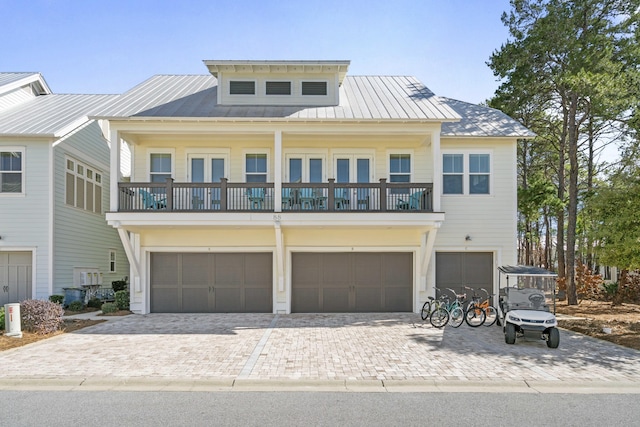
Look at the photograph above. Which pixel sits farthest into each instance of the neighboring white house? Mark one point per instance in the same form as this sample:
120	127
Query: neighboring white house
54	191
289	186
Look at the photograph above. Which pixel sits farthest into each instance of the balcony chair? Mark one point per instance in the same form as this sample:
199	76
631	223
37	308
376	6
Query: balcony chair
307	198
152	201
256	197
341	198
412	203
287	199
320	199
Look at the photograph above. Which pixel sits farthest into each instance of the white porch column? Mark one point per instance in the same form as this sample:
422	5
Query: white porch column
426	248
277	172
114	174
437	170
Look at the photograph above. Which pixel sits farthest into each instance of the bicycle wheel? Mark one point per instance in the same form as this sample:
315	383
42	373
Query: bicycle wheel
439	317
474	316
456	317
426	310
492	315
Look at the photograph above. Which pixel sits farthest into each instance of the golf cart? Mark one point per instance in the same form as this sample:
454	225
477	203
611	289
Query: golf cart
527	304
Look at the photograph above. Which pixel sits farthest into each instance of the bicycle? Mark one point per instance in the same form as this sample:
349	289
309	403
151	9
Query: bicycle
456	309
438	313
490	310
491	313
474	315
429	306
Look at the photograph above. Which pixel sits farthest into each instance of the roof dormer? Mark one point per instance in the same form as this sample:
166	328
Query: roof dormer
304	83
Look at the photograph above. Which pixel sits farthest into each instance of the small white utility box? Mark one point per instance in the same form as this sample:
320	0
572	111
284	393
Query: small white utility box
12	320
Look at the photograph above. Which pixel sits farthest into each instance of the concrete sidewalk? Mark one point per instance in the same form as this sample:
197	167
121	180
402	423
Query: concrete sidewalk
348	352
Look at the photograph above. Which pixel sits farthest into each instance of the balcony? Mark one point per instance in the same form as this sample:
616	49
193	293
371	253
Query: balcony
225	196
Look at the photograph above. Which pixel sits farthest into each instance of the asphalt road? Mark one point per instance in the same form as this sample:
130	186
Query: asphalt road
80	408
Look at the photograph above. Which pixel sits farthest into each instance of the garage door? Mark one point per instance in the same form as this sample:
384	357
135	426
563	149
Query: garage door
456	270
15	277
351	282
211	283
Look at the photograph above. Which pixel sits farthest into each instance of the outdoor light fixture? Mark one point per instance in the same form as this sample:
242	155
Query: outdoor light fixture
467	238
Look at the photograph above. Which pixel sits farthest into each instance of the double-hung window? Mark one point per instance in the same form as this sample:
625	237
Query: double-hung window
466	173
11	171
160	167
399	170
256	168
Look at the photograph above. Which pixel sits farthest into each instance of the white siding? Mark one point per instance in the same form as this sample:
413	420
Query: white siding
489	220
82	238
24	220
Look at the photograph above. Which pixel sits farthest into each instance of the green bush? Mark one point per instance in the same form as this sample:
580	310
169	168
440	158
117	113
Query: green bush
76	306
94	303
1	318
109	307
41	316
58	299
119	285
122	300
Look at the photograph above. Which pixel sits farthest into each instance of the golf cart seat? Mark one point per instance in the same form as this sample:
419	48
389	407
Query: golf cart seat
524	299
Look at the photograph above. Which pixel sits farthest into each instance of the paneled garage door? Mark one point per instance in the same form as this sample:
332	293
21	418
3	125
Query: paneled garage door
456	270
15	277
351	282
211	283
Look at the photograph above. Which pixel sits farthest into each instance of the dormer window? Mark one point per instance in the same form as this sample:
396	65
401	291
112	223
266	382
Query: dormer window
278	88
242	87
314	88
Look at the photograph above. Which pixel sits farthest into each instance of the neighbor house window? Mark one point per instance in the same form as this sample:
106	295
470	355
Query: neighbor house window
11	171
278	88
256	168
242	87
466	173
314	88
160	167
83	187
112	261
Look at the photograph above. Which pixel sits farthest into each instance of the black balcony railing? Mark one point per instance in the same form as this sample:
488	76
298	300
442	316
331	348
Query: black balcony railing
295	197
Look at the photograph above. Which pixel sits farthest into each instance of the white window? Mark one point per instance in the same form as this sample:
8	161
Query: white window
242	87
278	88
83	188
314	88
11	171
112	261
160	167
466	173
256	168
400	168
305	168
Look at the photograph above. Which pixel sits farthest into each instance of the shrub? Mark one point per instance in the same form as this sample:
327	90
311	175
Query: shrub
119	285
94	303
41	316
1	318
76	306
122	300
109	307
58	299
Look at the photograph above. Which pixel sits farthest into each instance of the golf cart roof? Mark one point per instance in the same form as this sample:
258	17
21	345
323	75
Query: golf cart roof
526	270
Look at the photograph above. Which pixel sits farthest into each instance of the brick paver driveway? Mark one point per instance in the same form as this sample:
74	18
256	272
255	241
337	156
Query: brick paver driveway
386	346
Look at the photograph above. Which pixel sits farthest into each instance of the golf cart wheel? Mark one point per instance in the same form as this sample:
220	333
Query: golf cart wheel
510	333
492	316
456	317
475	316
554	338
439	318
426	310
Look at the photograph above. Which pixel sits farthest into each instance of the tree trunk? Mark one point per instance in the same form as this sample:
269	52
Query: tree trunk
572	217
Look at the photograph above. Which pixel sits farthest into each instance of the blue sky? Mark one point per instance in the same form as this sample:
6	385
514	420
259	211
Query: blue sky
90	46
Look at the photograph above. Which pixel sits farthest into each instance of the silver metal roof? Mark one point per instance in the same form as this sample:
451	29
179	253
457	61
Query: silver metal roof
50	115
480	121
361	98
9	81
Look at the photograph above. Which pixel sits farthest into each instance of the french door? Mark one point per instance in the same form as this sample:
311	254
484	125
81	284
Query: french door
354	168
206	168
